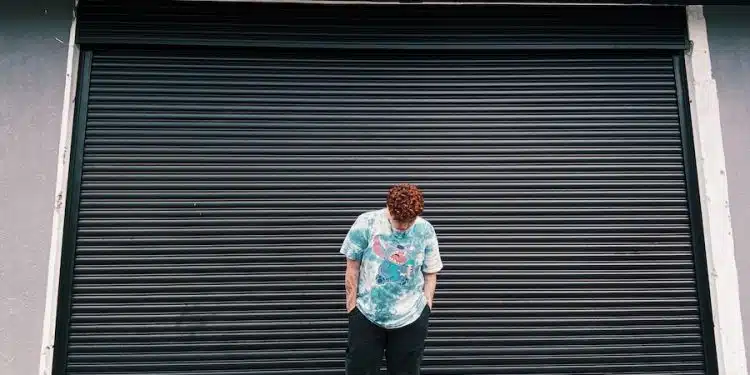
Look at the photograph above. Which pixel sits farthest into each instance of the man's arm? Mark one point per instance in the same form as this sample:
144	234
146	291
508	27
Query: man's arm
433	263
355	243
352	282
430	282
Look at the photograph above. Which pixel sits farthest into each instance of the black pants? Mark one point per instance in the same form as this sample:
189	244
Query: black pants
403	346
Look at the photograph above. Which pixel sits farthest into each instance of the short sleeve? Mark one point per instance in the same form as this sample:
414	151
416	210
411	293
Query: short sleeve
357	240
432	261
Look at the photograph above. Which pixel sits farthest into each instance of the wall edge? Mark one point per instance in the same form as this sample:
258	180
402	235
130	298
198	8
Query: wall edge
61	193
714	199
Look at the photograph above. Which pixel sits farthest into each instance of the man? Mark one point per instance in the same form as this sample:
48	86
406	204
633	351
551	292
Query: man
391	272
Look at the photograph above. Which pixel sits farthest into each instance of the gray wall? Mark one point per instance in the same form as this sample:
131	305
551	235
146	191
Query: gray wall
729	44
32	81
33	51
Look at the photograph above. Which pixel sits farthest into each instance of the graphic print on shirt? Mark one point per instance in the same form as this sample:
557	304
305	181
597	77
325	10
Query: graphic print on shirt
398	261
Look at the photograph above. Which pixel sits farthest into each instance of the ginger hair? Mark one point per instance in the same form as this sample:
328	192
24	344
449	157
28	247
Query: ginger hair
405	202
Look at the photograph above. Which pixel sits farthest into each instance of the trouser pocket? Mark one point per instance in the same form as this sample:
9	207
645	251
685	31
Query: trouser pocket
365	345
353	312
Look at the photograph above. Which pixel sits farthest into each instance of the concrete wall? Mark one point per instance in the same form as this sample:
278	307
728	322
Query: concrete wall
729	43
33	55
33	51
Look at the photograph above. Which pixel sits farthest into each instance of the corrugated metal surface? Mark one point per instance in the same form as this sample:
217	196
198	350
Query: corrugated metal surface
217	187
380	27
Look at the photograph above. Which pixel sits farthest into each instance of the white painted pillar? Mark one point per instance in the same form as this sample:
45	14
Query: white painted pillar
58	215
714	199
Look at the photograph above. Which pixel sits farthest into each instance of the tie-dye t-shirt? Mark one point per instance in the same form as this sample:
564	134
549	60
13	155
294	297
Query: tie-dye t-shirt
393	263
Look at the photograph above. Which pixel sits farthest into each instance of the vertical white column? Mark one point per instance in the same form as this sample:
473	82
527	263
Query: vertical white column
58	216
714	199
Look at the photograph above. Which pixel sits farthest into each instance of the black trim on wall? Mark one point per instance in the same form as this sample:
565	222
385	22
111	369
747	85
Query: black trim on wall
696	218
70	226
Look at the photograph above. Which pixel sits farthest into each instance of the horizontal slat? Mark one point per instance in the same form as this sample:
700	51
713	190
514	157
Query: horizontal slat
655	363
497	315
301	231
560	152
634	343
582	323
508	275
314	353
223	222
511	304
132	257
511	332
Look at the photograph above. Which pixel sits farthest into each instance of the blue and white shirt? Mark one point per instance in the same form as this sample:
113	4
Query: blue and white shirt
393	263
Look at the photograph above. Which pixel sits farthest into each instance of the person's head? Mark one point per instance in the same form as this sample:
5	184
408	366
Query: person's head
405	203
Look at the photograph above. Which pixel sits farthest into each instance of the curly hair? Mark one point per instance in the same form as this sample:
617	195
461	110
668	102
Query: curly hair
405	202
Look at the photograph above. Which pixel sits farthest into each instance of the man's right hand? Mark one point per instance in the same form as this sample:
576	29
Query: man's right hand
352	281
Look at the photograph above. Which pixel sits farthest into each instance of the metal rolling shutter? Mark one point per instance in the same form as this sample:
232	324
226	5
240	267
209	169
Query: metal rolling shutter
383	28
217	184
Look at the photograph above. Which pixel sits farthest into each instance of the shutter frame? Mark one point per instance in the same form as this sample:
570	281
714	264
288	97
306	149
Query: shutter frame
696	218
70	225
63	319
